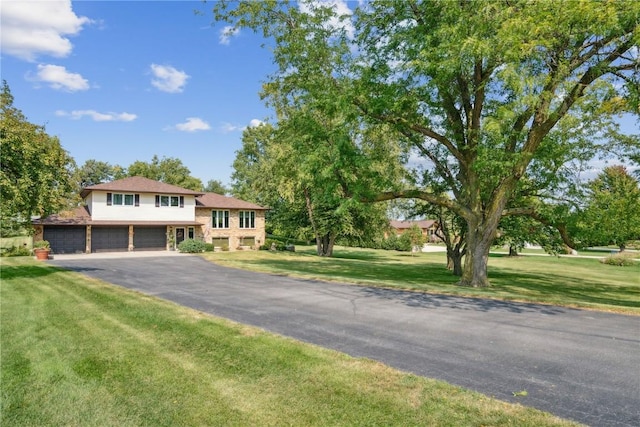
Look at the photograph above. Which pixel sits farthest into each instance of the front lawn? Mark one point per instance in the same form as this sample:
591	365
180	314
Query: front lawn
575	282
76	351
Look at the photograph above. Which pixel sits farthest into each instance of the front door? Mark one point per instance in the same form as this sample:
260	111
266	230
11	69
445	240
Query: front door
179	235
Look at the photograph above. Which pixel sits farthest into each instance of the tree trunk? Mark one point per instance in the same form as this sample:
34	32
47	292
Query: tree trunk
622	247
454	262
479	238
324	245
513	251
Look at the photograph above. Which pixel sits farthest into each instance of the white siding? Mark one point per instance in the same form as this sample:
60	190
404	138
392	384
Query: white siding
147	211
88	200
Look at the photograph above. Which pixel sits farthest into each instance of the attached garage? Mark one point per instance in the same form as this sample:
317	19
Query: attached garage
66	239
109	239
149	238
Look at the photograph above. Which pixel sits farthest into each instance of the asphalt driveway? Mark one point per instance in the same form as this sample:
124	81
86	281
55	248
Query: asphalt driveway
581	365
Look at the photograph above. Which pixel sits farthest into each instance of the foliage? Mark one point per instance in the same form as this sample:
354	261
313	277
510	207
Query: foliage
499	99
191	246
215	186
301	170
620	259
270	244
35	173
169	170
612	212
209	247
94	172
15	251
41	244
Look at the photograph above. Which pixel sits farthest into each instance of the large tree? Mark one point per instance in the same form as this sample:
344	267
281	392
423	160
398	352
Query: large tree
169	170
35	172
486	92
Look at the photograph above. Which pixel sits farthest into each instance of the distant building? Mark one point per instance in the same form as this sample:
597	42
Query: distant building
429	228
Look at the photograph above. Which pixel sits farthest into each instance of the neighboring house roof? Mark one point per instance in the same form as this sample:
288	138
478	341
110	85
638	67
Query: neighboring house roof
139	184
218	201
423	224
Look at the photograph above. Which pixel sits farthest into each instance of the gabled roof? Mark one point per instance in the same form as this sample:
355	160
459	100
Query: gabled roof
139	184
218	201
77	216
423	224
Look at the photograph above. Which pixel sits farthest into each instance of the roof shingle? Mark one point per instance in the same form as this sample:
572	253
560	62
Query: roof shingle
139	184
213	200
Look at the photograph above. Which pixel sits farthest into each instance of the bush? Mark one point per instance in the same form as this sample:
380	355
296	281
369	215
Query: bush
279	246
620	259
209	247
16	251
191	246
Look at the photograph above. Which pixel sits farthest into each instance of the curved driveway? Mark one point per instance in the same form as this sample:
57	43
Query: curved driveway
581	365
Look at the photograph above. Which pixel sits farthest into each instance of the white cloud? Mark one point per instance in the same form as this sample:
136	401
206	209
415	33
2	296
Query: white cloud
226	127
168	79
343	12
193	124
97	116
59	78
33	28
227	33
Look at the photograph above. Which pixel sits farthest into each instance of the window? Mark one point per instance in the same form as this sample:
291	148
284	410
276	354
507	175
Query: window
247	219
169	201
220	219
119	199
191	233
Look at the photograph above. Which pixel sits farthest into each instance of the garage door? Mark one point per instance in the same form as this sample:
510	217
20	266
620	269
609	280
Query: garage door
149	238
109	239
66	240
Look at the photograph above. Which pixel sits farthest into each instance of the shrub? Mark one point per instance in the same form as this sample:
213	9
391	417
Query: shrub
620	259
191	246
279	246
16	251
209	247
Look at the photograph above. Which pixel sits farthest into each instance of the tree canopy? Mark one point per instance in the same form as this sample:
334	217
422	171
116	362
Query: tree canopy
169	170
35	172
496	100
612	211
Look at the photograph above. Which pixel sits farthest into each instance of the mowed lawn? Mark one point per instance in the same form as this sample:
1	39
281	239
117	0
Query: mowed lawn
572	282
76	351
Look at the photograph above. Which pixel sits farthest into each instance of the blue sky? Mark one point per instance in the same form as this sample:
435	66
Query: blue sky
123	81
120	81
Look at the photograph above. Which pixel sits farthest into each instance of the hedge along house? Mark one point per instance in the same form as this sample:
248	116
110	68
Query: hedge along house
137	214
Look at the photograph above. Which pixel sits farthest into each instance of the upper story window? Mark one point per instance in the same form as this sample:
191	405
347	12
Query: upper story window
169	201
220	219
247	219
123	199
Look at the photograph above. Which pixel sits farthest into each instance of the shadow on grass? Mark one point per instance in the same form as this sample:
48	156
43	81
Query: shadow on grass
36	271
26	271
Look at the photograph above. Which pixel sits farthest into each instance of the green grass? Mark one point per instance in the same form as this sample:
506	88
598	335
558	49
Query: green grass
573	282
79	352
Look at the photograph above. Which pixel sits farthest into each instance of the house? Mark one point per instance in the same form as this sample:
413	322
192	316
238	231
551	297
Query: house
429	228
140	214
